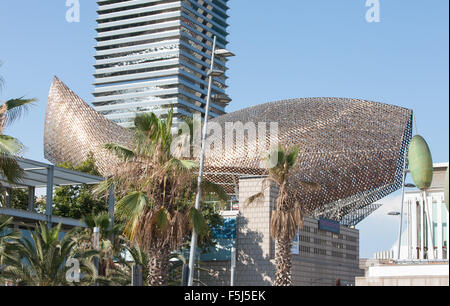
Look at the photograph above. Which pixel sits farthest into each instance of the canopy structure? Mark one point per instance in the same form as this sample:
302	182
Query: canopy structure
36	175
354	149
42	175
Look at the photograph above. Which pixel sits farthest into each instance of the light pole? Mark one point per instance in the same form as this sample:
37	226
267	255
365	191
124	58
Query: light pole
96	245
211	74
404	185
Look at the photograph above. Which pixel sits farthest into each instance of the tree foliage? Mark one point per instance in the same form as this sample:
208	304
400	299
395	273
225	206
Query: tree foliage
78	202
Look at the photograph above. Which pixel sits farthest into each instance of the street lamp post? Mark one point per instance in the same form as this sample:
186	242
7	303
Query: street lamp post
211	74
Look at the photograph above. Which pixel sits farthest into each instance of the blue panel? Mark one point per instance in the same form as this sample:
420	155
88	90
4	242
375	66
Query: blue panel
329	226
226	239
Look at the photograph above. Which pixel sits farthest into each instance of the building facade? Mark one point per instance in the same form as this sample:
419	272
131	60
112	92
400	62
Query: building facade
320	257
425	231
424	252
154	55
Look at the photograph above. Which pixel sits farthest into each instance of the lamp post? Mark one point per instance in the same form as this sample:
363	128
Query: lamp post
404	185
211	74
96	245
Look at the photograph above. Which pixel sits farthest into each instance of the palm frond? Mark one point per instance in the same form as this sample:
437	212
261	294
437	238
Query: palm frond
10	145
17	107
198	222
10	168
120	151
102	189
209	188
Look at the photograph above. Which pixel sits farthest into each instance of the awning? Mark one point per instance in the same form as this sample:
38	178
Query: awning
36	176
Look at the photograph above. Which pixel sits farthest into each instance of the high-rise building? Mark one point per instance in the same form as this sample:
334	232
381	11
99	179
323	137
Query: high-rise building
154	55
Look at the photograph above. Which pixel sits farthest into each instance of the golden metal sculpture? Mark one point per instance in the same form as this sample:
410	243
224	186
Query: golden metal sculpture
354	149
73	129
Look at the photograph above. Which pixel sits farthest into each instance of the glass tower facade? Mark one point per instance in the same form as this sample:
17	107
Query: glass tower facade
154	55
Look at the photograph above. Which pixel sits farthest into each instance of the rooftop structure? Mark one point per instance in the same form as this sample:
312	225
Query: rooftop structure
153	55
42	175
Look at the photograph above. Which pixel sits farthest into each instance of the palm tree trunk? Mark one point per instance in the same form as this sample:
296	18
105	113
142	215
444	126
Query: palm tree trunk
283	259
158	267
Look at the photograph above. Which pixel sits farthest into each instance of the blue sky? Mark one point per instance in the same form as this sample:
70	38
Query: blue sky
285	49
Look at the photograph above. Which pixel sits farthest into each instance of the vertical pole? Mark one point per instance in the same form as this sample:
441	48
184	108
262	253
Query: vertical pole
414	229
31	195
439	231
200	173
185	275
198	271
446	220
233	266
96	245
422	228
49	195
408	203
8	197
401	211
136	276
429	214
111	203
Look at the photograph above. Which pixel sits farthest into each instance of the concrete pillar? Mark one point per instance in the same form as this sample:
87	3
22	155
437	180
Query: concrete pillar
448	237
49	195
254	246
439	230
422	230
111	203
31	195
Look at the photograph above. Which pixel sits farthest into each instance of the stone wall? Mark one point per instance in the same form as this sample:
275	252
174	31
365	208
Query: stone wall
323	258
255	248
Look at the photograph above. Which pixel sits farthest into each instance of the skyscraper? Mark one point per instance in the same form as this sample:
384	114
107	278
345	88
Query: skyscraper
153	55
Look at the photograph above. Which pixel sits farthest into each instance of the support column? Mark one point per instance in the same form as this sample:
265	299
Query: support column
429	214
439	230
408	207
448	238
8	197
414	229
111	203
31	195
49	196
255	248
422	227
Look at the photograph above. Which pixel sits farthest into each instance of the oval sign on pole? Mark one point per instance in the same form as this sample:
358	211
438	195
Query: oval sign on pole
420	163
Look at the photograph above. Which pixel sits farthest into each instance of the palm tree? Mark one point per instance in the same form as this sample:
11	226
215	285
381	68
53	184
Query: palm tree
41	261
10	147
110	246
155	189
7	238
287	219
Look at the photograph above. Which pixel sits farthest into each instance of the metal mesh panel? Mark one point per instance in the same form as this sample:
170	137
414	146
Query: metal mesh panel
73	129
353	148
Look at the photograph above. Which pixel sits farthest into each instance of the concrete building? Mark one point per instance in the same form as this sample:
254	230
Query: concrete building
320	257
424	253
426	232
153	55
405	274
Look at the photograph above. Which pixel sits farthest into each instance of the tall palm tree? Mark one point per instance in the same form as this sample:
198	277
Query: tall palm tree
287	218
156	190
41	260
10	111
